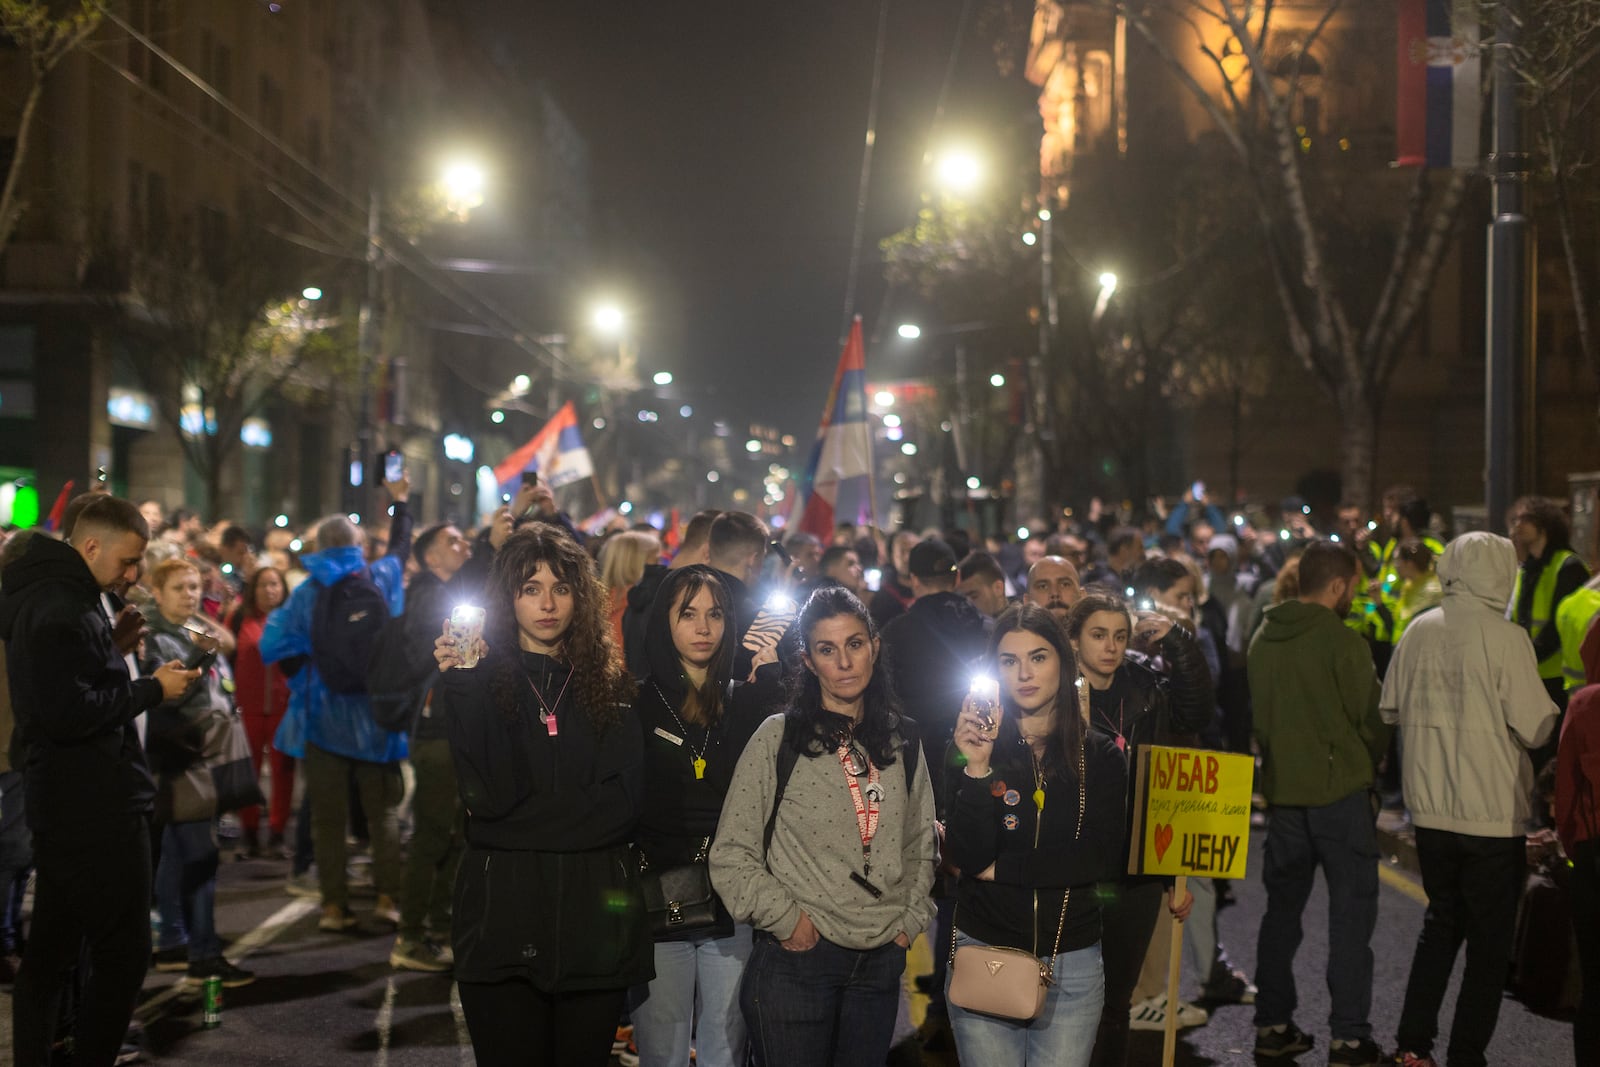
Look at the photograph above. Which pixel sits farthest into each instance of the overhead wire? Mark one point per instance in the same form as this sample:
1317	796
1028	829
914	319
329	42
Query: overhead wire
863	187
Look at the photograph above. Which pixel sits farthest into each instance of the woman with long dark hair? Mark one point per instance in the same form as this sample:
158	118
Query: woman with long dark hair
695	724
549	924
826	846
263	698
1035	821
1131	703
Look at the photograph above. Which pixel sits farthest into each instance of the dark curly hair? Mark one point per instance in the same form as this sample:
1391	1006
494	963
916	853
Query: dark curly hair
808	728
587	647
1068	732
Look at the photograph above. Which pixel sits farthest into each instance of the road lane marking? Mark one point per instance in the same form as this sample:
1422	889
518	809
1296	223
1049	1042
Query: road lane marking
264	934
1399	882
385	1023
463	1038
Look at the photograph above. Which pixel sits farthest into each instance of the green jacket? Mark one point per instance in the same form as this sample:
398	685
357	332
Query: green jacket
1315	694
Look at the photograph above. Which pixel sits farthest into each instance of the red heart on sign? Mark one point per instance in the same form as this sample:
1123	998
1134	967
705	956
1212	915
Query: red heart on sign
1163	840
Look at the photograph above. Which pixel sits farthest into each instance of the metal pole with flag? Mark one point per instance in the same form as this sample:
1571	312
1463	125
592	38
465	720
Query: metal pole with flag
843	449
556	452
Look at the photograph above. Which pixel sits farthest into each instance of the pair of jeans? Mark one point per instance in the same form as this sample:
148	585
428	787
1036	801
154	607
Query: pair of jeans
436	843
186	889
328	781
515	1025
91	899
1342	839
828	1005
1128	915
693	999
1586	925
1061	1035
16	857
1473	886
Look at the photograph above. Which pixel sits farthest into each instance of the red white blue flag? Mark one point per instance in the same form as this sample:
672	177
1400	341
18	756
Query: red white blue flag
1439	120
843	449
556	452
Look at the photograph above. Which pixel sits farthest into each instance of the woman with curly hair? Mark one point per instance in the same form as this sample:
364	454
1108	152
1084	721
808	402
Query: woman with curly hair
826	847
549	929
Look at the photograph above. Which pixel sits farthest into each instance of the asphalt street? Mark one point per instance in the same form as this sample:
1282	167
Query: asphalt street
333	999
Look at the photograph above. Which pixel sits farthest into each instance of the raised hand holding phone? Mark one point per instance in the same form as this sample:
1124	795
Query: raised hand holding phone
462	645
979	724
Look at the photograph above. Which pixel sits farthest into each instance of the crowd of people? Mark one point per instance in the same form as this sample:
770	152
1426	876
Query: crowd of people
694	792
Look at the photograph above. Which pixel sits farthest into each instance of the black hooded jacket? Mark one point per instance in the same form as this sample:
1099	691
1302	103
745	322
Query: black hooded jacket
679	810
636	619
75	704
932	651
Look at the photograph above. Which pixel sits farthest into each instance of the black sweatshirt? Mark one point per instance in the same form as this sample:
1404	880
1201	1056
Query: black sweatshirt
75	741
993	820
548	890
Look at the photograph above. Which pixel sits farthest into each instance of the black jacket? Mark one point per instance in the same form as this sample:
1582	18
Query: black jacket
74	703
636	619
993	820
548	889
932	651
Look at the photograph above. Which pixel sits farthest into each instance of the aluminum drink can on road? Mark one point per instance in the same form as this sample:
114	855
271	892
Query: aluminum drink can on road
211	1016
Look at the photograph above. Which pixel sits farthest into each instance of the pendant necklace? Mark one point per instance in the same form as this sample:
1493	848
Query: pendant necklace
547	712
705	745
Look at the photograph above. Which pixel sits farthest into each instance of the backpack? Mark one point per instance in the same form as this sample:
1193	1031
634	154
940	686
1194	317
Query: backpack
345	624
397	685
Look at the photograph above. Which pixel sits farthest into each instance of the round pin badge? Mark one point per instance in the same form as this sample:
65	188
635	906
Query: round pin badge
998	789
1010	822
1012	798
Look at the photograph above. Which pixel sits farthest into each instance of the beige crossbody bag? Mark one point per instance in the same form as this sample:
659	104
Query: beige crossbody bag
1009	982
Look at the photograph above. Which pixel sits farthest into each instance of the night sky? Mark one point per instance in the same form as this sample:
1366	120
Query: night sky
726	143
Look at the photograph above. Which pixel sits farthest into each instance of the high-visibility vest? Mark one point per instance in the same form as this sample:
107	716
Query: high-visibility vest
1573	618
1393	589
1543	613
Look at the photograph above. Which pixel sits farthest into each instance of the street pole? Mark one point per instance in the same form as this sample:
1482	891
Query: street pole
1511	285
365	345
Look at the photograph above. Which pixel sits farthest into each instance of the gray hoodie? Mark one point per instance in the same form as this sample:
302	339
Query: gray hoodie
1464	687
816	845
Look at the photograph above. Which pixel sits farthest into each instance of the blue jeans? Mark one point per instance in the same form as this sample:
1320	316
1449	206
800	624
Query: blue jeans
1342	839
186	889
827	1005
694	998
16	856
1062	1035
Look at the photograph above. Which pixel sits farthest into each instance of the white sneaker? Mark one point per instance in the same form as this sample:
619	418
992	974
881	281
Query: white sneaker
1151	1014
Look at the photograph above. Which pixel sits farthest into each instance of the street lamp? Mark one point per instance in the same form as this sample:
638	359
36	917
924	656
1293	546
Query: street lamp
959	171
910	331
609	319
663	377
997	380
1108	282
463	182
311	292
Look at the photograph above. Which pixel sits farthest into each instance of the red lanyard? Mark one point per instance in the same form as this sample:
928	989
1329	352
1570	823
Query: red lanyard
547	713
867	809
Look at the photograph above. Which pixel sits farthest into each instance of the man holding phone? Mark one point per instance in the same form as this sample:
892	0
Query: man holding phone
88	789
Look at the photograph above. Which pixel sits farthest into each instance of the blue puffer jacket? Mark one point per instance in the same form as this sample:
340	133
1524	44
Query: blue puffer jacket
340	723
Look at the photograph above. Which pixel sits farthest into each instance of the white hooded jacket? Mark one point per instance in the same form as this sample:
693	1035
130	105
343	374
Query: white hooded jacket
1464	688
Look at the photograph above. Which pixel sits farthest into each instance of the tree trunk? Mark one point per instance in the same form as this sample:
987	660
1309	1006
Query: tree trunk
1235	443
1358	446
11	205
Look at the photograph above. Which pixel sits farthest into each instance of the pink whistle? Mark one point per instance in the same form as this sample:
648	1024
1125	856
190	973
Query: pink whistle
550	726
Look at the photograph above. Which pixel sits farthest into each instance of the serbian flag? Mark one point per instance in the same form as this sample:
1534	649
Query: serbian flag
1438	123
556	452
843	450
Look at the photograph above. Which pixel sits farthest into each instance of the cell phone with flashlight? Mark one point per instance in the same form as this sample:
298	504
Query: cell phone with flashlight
394	465
1198	489
985	695
530	478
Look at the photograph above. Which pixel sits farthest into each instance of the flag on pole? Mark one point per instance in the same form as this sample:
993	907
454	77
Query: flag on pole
556	452
1438	122
843	449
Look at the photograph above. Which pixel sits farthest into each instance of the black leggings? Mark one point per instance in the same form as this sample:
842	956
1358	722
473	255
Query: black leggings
514	1025
1127	921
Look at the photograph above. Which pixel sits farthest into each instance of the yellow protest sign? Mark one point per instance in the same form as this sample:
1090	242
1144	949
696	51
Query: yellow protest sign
1191	812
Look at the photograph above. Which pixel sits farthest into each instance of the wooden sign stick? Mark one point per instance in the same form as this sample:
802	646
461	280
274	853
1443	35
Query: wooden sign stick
1169	1047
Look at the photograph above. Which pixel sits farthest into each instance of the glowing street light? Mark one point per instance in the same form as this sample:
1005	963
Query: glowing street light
908	449
884	398
1030	238
997	380
959	171
311	292
463	182
663	377
910	331
608	319
752	446
1108	282
521	383
497	417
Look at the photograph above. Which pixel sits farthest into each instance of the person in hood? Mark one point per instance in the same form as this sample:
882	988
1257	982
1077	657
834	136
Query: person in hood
333	733
695	724
694	548
1464	688
1315	696
549	927
1578	825
87	789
